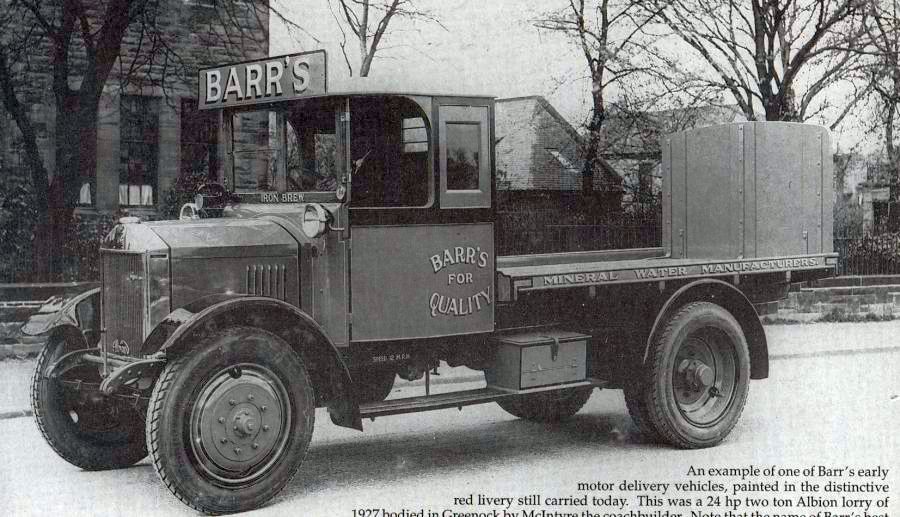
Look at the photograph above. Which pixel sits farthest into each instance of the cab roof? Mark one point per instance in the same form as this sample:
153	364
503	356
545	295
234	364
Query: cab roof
392	86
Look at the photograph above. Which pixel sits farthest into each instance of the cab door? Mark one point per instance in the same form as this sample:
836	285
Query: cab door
428	271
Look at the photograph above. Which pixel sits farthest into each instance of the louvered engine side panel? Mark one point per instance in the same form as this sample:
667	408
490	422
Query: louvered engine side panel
266	280
124	284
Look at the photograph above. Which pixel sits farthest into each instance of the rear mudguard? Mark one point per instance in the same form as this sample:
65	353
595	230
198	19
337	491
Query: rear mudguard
184	327
733	300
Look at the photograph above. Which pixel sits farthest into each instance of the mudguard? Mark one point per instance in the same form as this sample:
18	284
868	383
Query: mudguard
183	327
733	300
62	313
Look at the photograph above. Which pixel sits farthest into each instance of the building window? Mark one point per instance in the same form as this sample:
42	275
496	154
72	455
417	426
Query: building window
645	179
199	141
139	150
86	193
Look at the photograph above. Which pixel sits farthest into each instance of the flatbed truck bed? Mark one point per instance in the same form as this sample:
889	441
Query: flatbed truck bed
523	273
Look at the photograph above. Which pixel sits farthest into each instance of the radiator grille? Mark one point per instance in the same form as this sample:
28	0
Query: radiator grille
266	280
124	281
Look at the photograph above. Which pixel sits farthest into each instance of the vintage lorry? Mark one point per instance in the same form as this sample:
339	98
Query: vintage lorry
352	240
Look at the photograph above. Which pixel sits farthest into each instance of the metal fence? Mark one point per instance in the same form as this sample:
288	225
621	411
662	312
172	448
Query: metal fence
859	264
544	231
16	267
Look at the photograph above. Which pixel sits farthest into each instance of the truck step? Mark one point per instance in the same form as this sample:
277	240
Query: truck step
456	399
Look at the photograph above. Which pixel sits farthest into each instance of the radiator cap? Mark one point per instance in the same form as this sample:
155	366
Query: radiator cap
130	220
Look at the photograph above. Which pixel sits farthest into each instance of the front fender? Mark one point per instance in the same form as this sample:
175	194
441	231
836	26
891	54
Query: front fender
169	331
63	312
186	326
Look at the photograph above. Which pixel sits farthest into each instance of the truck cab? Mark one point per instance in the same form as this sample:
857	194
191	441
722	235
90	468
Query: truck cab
406	178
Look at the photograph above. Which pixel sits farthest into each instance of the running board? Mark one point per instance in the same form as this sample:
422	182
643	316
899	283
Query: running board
456	399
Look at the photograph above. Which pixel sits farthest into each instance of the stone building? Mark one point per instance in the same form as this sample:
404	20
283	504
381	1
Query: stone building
538	149
149	128
540	202
631	142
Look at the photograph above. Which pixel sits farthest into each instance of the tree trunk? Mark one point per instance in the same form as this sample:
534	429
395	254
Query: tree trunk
76	159
598	117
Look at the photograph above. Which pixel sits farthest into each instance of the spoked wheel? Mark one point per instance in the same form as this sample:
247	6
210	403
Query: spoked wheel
229	423
547	406
85	428
697	378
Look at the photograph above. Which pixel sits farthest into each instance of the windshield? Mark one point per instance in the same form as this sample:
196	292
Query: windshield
300	147
287	149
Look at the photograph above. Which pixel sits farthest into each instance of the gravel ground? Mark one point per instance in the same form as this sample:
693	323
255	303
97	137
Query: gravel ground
15	381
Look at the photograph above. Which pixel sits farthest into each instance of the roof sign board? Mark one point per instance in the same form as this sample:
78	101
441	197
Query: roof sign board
272	79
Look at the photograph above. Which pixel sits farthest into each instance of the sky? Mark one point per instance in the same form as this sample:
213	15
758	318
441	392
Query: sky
488	47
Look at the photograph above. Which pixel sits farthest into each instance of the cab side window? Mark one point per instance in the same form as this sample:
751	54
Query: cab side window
465	159
463	142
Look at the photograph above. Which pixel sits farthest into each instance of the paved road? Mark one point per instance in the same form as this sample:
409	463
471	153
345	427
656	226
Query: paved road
832	400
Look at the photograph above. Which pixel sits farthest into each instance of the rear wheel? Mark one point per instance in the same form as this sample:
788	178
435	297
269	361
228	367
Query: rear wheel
696	380
86	429
637	409
547	406
230	421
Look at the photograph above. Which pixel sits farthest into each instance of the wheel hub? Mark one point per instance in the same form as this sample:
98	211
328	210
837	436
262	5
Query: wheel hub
703	378
696	374
245	423
239	423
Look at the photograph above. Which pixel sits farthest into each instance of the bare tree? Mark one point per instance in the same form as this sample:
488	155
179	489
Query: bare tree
79	46
883	60
83	44
775	57
610	36
368	22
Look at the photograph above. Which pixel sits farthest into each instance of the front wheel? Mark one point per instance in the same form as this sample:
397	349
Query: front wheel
230	421
696	378
85	428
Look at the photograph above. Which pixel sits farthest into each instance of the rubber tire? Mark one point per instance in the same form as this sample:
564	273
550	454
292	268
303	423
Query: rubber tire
171	405
655	405
122	446
547	406
373	385
637	409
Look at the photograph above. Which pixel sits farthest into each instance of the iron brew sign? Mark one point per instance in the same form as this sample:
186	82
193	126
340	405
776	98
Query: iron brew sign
265	80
